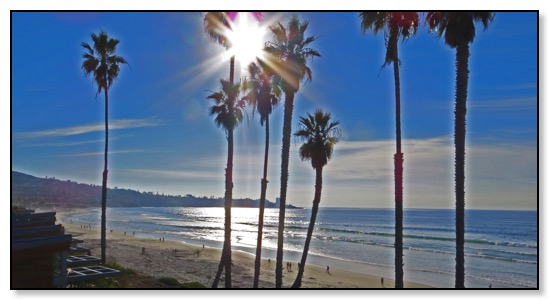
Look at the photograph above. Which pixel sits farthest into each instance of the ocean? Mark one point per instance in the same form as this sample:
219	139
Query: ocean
501	247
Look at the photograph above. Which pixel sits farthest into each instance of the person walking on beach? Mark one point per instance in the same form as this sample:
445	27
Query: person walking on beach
382	282
327	269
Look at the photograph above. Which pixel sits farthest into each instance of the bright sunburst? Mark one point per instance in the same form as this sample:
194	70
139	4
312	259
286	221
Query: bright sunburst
247	39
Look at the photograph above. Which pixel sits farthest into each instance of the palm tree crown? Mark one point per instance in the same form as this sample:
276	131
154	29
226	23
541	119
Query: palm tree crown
319	135
457	27
215	25
291	52
227	109
101	60
262	96
394	24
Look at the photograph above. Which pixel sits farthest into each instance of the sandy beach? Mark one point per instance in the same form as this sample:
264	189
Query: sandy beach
188	262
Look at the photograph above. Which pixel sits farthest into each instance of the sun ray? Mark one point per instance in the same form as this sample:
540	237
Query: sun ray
247	38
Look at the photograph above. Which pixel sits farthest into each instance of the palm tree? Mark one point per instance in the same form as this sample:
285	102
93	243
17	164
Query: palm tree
319	136
103	63
227	110
263	97
395	25
458	29
216	25
291	52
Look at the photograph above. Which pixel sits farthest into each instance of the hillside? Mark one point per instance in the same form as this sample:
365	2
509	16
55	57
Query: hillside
31	191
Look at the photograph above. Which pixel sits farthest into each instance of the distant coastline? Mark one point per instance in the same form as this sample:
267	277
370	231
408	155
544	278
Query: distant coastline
31	191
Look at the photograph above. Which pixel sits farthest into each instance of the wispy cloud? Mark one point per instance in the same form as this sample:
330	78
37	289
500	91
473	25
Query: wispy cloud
76	130
177	174
68	144
514	104
521	86
100	153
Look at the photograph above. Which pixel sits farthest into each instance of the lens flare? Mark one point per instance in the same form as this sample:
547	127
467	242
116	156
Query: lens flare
247	39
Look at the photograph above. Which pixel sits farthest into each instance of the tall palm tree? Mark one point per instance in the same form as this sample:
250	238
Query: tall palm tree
101	61
458	29
319	136
227	110
263	97
291	53
216	25
396	25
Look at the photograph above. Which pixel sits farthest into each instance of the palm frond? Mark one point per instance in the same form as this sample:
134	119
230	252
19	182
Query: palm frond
289	54
457	27
101	60
228	107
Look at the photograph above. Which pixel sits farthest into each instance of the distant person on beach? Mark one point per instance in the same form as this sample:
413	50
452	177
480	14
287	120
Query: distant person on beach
328	269
382	282
269	261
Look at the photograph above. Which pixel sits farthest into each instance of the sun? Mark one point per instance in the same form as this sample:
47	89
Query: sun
247	40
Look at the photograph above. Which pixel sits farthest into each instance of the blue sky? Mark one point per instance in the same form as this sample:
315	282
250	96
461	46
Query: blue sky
162	138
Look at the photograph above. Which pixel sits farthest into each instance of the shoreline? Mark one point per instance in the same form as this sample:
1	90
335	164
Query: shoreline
191	262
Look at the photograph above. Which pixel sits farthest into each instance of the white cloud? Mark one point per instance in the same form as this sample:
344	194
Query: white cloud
75	130
100	153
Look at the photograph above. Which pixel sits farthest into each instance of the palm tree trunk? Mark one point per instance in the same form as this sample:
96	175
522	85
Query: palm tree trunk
228	205
104	185
462	78
222	261
219	269
398	159
286	136
314	212
231	71
261	207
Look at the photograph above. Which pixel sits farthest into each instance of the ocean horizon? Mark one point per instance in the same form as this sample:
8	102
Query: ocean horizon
501	246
